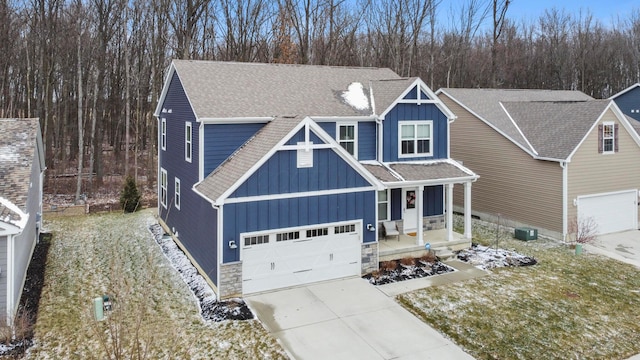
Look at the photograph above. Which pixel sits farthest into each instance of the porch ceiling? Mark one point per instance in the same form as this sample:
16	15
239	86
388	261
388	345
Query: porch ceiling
444	171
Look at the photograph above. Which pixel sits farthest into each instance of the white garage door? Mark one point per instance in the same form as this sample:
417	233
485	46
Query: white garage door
300	256
612	212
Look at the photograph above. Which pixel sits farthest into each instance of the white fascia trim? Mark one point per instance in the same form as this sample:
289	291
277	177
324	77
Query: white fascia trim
518	128
624	121
487	123
621	118
302	146
195	190
8	229
298	195
625	91
434	99
236	120
606	194
413	183
24	217
165	89
337	119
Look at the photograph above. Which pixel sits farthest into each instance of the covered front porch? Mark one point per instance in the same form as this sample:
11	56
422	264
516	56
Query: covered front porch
404	245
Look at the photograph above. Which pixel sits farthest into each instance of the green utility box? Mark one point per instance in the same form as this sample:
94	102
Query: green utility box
526	234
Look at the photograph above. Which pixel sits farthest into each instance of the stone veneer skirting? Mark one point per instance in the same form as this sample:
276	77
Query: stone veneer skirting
369	257
230	280
435	222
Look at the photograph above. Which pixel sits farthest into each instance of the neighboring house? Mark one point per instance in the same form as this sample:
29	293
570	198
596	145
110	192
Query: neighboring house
547	158
628	100
21	170
278	175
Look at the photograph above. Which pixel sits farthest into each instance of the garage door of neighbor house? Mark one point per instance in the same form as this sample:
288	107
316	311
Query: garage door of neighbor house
300	256
612	211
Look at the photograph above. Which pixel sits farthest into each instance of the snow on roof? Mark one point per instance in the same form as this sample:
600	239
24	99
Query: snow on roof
355	96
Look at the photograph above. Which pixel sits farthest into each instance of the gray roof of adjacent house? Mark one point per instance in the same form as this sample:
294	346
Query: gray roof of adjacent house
18	149
486	103
525	116
555	129
230	90
243	159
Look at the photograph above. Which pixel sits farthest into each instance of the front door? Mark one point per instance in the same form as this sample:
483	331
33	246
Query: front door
410	212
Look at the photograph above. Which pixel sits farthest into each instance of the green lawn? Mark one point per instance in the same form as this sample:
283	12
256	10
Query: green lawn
566	307
156	315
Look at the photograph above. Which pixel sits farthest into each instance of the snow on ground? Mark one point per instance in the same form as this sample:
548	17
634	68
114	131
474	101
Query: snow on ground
485	258
210	308
154	310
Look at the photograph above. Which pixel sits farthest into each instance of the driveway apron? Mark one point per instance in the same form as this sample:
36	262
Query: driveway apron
623	246
348	319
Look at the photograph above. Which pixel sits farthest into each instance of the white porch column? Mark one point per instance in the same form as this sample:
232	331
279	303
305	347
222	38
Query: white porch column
449	212
419	202
467	210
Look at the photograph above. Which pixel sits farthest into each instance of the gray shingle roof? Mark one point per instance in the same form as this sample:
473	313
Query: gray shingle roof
487	104
555	129
18	146
241	161
385	92
227	89
423	171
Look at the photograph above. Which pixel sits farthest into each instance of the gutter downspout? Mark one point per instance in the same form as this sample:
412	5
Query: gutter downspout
565	166
380	137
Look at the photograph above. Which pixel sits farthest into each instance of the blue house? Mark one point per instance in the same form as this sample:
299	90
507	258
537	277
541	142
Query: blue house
276	175
628	100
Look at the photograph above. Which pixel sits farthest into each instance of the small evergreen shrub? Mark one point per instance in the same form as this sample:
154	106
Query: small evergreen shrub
130	196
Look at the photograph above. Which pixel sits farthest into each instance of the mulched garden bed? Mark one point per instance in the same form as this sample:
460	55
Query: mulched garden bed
407	268
486	258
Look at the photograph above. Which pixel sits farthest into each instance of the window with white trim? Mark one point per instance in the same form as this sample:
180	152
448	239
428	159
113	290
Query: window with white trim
188	141
347	137
415	138
163	133
292	235
608	138
176	199
342	229
163	187
383	205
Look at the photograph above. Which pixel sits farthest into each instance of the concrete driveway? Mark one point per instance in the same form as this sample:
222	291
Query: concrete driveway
348	319
623	246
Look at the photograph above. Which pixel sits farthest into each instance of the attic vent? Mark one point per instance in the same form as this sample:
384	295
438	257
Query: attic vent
305	155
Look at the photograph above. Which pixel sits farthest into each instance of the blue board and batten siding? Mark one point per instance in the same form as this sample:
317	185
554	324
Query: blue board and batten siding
222	140
280	175
414	112
196	220
366	137
433	202
630	101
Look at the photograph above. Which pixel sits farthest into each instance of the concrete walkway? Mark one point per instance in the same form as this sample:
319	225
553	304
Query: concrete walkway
349	319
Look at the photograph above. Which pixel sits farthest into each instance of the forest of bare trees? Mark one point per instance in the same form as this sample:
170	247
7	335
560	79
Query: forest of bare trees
92	70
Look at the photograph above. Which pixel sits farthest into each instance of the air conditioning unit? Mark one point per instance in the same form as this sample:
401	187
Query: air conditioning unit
526	234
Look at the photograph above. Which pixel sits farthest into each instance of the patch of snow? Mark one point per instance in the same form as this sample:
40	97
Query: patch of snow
486	258
355	96
210	308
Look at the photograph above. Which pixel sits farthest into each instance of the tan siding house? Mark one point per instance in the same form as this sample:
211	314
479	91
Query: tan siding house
540	157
